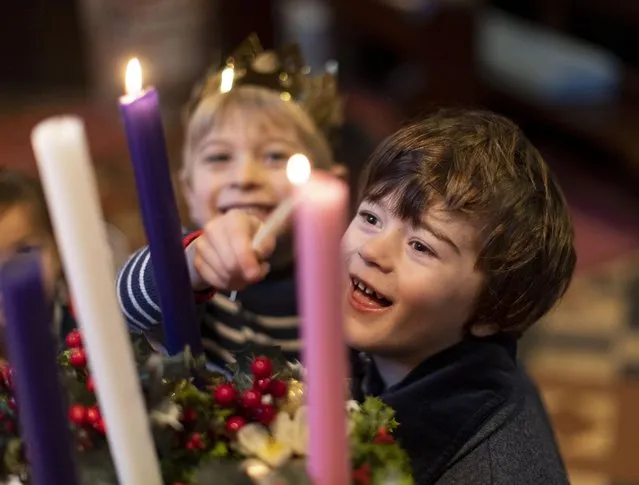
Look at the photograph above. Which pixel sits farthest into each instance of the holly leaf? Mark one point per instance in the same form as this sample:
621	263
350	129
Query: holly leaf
245	356
13	457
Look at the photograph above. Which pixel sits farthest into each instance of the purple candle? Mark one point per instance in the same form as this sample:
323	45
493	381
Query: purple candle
32	353
140	111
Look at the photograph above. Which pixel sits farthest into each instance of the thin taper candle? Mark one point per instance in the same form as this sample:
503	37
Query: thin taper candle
320	221
32	353
140	110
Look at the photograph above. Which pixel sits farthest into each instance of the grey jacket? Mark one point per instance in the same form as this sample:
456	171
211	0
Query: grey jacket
471	415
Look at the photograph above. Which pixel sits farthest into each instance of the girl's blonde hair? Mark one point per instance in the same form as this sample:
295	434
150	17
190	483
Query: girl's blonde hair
256	101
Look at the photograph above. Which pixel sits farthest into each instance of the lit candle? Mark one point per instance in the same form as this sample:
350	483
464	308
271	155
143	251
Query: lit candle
298	170
62	153
32	353
320	216
140	110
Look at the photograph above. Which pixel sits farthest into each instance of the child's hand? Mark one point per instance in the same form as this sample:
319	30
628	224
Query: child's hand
223	256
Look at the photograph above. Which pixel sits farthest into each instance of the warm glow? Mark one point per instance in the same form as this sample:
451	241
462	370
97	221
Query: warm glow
133	77
226	82
298	169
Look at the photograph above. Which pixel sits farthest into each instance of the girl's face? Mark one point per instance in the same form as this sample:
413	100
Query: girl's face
240	164
18	233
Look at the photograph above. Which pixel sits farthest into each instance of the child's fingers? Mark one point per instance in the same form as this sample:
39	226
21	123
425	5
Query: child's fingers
265	269
215	249
209	273
239	239
265	247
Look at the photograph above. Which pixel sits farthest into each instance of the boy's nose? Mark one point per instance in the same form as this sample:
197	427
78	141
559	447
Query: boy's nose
376	252
247	173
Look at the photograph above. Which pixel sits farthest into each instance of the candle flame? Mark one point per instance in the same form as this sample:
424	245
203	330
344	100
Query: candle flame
133	77
226	82
298	169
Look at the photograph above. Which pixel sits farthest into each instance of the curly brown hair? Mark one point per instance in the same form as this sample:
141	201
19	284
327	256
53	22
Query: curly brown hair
480	164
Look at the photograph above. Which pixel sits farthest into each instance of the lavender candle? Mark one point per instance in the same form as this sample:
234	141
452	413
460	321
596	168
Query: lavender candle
140	110
32	353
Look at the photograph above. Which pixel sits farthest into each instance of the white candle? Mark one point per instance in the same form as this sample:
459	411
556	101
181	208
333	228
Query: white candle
62	152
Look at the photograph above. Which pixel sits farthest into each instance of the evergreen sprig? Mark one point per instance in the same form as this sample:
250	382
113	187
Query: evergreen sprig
190	428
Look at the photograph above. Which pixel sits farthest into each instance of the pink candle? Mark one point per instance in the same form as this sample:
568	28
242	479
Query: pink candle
321	212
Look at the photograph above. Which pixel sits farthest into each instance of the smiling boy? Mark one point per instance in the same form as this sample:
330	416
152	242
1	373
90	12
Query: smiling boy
462	241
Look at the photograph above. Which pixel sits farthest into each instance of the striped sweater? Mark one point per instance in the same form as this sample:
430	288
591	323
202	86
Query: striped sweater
264	313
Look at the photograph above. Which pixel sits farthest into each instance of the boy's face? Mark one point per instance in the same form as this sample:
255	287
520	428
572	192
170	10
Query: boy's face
241	164
426	277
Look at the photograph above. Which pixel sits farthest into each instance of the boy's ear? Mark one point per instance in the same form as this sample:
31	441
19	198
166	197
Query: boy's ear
484	329
340	171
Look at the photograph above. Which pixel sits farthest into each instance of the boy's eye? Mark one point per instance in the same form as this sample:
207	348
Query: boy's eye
276	157
216	157
420	247
25	248
369	218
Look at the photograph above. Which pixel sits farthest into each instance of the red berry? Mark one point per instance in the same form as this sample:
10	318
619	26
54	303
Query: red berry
12	403
189	415
74	339
78	414
262	367
383	437
78	358
278	388
251	398
90	384
190	445
93	414
196	440
225	395
265	414
99	426
6	376
262	385
234	424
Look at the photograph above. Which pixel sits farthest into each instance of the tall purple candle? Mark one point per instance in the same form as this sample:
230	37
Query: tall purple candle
32	353
140	110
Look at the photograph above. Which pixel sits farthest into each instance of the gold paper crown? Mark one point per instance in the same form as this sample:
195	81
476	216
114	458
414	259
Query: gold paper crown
283	71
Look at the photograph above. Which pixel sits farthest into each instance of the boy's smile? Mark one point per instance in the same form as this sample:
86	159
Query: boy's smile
411	289
366	298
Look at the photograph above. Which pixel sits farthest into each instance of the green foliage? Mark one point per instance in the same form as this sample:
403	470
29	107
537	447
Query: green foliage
190	428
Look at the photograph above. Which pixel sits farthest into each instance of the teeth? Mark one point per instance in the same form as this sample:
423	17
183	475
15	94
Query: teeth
367	290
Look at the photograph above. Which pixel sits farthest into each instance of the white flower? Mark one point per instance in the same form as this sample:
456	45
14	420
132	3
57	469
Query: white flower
167	414
254	439
287	436
292	431
352	406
